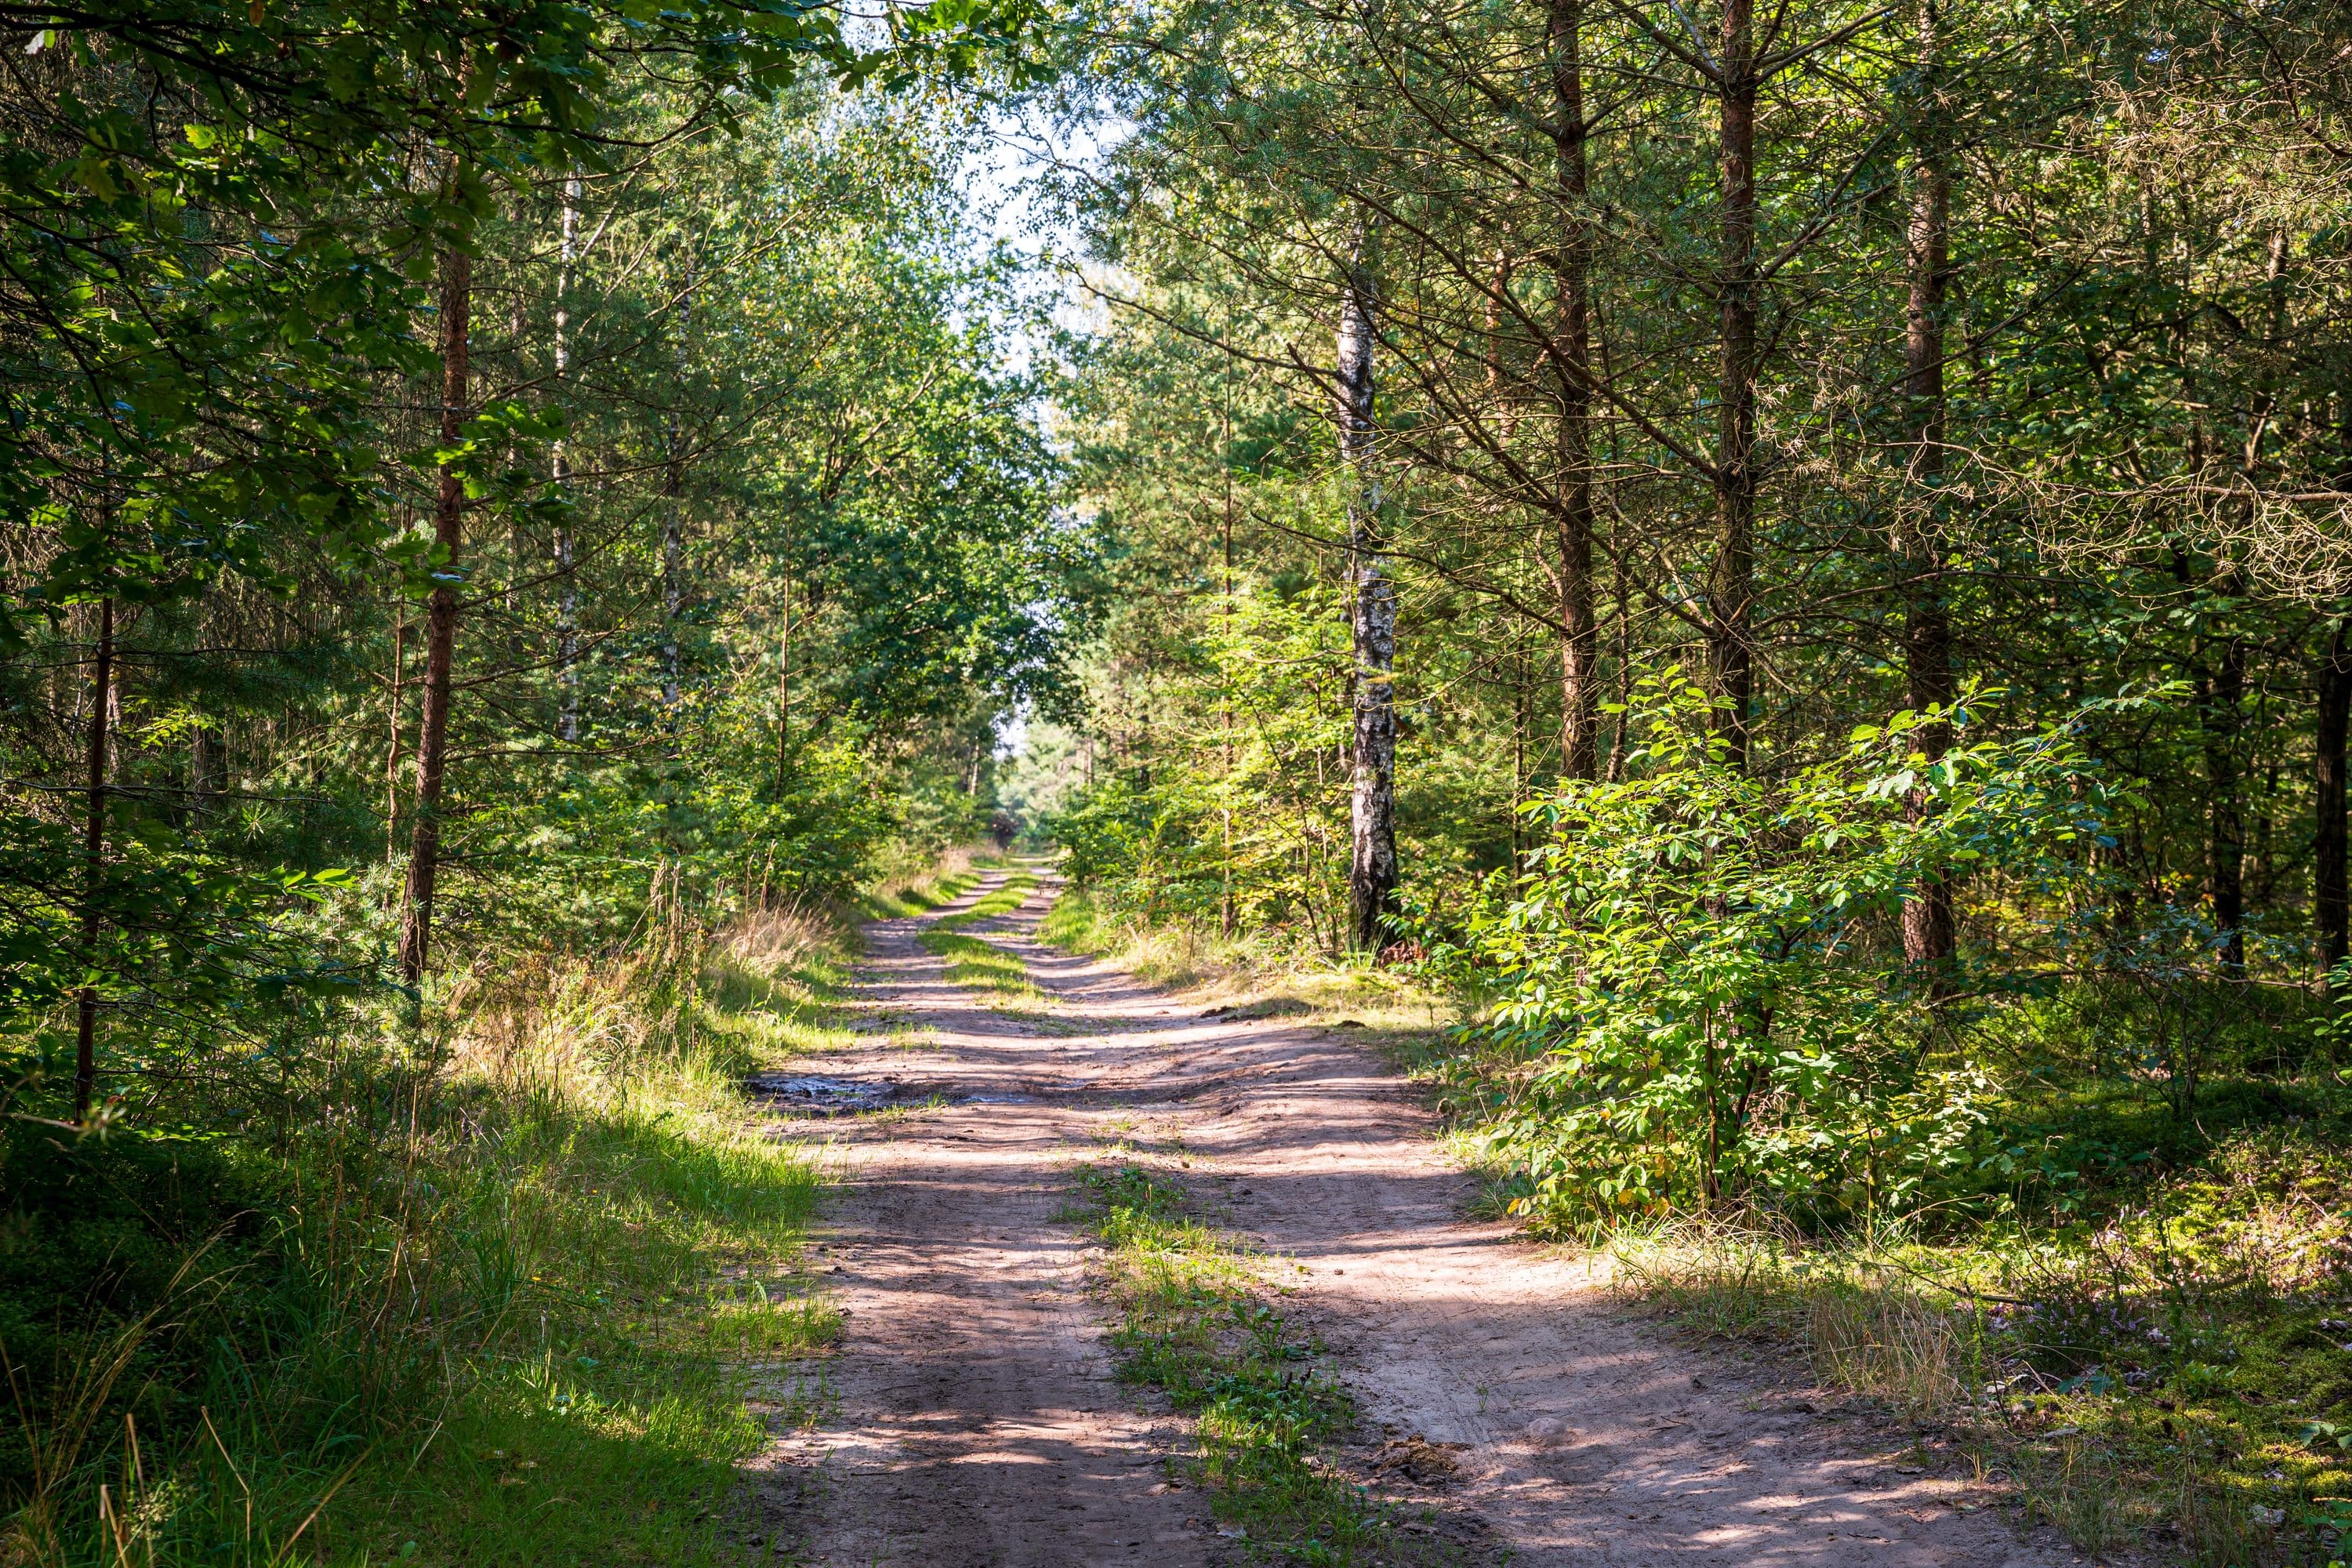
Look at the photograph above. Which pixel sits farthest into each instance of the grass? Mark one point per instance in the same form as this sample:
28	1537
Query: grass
1251	970
1083	921
1197	1320
2133	1305
921	887
2125	1293
2162	1386
976	962
491	1295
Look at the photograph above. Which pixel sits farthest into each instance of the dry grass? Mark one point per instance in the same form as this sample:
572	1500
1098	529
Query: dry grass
584	1030
2180	1464
1892	1344
915	886
1210	969
538	1269
559	1026
781	940
1865	1330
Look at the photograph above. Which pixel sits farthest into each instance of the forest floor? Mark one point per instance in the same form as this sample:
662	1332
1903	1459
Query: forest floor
1504	1406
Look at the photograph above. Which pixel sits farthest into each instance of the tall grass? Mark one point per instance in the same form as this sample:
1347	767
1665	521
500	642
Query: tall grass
911	888
2130	1400
483	1292
1868	1331
1174	953
1262	967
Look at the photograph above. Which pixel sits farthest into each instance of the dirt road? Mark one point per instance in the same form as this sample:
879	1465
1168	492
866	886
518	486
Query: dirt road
972	1415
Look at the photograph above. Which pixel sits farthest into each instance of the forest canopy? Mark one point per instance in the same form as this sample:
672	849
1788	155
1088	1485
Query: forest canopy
507	508
1764	545
1787	569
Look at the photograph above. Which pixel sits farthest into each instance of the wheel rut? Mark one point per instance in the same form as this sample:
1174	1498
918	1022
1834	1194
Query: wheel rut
972	1414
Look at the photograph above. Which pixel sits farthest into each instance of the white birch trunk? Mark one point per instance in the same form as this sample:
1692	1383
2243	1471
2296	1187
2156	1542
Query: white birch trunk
1371	815
567	611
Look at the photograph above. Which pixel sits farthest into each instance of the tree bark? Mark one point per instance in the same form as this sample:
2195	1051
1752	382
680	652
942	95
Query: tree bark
1228	912
673	585
1928	930
392	742
440	627
1579	706
784	682
1731	582
2226	855
2331	898
567	610
93	865
1371	815
206	768
674	522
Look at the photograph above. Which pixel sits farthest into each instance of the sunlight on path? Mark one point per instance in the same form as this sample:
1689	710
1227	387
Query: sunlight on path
978	1419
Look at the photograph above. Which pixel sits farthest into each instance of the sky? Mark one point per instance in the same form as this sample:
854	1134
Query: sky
1003	177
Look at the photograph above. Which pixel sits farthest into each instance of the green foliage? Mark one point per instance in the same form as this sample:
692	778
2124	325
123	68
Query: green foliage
756	541
1695	963
427	1315
813	681
2180	1360
974	960
1240	806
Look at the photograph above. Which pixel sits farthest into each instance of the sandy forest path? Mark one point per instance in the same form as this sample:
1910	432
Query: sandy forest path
972	1415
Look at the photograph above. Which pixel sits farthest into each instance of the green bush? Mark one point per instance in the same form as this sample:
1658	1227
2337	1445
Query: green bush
1697	966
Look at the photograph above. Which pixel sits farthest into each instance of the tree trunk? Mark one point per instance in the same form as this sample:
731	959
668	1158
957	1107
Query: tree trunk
1622	603
1928	935
93	865
392	744
673	585
567	611
206	768
440	627
518	546
674	523
2331	899
1371	815
1579	706
784	682
1502	397
2224	710
1228	912
1731	582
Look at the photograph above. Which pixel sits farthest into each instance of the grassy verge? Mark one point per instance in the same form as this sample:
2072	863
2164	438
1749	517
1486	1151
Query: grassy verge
489	1295
1198	1320
2161	1388
915	891
1251	970
976	962
1082	920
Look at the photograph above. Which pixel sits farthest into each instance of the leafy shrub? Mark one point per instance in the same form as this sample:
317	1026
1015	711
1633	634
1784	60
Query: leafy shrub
1697	963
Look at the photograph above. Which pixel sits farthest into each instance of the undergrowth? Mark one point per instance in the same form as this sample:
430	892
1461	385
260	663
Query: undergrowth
2124	1273
2173	1381
919	887
1256	970
1084	920
1197	1320
482	1292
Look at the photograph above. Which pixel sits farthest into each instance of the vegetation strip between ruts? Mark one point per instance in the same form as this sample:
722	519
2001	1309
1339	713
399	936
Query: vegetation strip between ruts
974	960
1792	570
1199	1318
